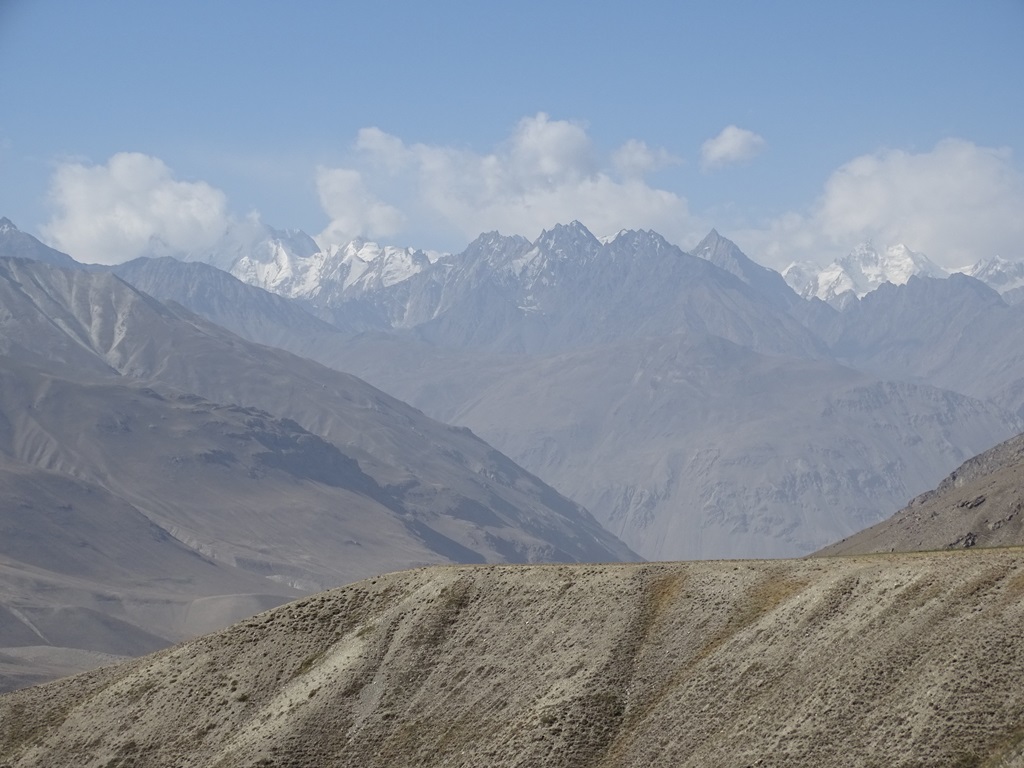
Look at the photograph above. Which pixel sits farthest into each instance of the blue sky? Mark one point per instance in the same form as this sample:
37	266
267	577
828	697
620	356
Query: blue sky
797	128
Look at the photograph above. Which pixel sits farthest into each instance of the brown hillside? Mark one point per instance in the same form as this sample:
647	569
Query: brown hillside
980	504
891	660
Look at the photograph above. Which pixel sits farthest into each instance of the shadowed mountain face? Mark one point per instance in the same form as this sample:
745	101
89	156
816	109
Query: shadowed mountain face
246	474
85	577
980	504
883	660
232	483
439	472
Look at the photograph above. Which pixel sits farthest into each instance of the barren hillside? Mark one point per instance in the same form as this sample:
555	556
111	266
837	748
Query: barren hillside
980	504
888	660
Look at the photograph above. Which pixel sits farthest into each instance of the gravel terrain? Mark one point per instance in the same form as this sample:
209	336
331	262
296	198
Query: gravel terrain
884	660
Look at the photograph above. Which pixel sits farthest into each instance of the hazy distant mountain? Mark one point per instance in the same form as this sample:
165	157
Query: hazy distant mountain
592	364
1014	296
863	270
955	333
291	264
445	474
688	446
542	346
254	242
251	312
18	244
565	289
358	266
1000	274
725	254
892	660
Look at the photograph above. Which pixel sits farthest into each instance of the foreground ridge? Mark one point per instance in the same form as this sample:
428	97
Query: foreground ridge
909	659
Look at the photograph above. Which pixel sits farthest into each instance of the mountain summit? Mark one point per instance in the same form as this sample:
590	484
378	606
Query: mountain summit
861	271
21	245
725	254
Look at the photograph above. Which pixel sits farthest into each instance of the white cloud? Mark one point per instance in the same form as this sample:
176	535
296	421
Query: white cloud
546	172
957	203
133	205
353	209
635	159
733	145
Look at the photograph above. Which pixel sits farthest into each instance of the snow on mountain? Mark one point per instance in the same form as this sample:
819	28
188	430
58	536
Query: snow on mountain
860	272
354	267
291	264
1001	274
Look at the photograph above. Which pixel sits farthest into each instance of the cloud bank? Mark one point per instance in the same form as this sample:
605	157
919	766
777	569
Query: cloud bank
957	203
733	145
547	171
133	205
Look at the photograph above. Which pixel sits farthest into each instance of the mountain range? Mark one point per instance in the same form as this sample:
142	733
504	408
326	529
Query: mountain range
867	268
694	403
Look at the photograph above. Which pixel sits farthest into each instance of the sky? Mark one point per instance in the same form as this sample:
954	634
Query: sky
797	129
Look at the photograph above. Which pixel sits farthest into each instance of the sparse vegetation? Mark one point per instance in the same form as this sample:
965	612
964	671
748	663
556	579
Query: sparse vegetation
647	665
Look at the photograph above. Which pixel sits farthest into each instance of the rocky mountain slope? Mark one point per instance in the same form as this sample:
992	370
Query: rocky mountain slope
882	660
689	446
980	504
86	577
725	254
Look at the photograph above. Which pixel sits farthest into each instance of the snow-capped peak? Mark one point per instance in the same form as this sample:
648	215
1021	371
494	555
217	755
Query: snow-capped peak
369	263
609	239
567	239
869	267
6	225
1001	274
861	271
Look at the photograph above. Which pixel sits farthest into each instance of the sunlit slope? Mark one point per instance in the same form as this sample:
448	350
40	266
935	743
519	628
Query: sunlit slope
891	660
